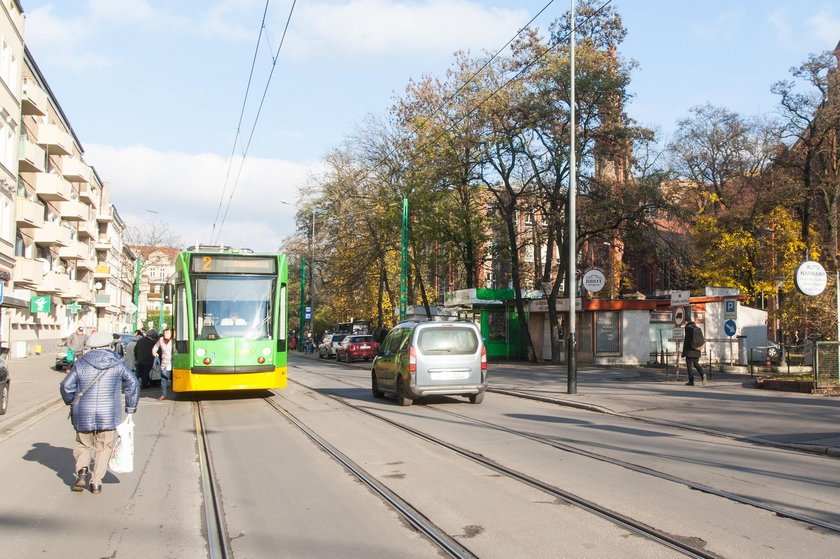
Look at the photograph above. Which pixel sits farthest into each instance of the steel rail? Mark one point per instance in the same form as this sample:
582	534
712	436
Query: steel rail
414	517
614	517
218	546
784	513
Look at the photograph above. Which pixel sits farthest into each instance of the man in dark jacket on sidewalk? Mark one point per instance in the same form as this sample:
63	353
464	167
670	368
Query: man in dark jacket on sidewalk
143	357
691	354
100	375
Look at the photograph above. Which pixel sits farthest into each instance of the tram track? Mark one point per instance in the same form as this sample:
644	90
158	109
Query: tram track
218	546
778	511
621	520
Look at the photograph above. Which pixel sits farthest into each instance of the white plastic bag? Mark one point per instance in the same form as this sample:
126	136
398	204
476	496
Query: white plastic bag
122	459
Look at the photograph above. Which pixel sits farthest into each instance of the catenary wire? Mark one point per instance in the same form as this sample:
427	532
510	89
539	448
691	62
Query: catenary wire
241	116
256	118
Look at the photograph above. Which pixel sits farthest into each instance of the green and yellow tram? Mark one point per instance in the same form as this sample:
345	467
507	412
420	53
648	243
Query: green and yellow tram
230	326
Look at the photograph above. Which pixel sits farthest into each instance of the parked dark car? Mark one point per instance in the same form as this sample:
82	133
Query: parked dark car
356	348
326	349
4	381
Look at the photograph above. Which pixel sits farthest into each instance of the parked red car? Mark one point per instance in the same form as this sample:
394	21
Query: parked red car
356	348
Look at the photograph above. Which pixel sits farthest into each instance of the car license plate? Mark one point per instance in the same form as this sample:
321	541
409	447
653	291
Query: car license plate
365	346
450	375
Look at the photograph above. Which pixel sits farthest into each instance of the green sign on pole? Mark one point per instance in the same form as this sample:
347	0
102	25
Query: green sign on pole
39	304
302	300
74	307
404	262
136	299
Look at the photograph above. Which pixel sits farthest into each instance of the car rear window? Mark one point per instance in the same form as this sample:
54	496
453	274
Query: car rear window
447	341
361	339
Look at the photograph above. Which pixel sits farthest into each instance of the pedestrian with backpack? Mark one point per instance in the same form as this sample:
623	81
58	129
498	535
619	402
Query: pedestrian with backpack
692	346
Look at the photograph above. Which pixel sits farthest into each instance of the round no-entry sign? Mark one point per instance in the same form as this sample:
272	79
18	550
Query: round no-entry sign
679	316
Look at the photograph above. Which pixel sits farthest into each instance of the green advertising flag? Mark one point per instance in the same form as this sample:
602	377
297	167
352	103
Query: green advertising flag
39	304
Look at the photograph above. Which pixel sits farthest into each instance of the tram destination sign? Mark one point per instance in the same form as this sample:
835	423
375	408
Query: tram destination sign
233	264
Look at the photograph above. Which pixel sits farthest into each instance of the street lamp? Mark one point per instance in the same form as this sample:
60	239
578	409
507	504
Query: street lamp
404	262
302	319
780	335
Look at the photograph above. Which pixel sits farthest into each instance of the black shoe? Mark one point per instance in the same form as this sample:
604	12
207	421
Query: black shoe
81	479
690	383
96	488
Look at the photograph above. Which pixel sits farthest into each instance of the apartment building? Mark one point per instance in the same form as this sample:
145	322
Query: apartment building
156	268
71	267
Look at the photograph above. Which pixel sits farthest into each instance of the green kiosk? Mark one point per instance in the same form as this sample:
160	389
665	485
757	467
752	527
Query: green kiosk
494	312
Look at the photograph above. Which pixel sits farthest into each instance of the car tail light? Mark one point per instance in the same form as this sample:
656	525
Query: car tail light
353	347
412	361
483	358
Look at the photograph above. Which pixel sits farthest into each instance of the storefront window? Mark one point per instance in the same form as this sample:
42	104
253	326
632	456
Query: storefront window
607	332
497	326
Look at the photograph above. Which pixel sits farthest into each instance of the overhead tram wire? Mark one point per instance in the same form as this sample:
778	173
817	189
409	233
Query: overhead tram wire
241	116
257	117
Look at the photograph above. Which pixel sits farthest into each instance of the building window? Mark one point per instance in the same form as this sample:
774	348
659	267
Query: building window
7	219
608	332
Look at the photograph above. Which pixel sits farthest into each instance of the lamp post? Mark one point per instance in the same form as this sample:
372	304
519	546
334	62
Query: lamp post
571	283
780	334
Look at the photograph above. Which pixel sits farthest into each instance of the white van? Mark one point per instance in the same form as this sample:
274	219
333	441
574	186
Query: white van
424	358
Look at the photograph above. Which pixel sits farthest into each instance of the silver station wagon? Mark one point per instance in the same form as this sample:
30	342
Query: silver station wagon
425	358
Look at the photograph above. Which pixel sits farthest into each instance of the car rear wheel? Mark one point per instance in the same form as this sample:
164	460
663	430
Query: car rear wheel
477	398
374	386
4	398
402	398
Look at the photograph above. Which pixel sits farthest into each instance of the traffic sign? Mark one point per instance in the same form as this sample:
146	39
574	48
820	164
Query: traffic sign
730	309
680	298
308	314
679	316
729	328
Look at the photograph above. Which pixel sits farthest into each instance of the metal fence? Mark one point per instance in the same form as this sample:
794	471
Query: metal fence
827	365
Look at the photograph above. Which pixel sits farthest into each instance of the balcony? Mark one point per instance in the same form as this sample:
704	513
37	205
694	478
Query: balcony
54	282
74	211
35	100
102	301
29	214
28	273
52	234
55	140
74	169
80	291
88	230
105	216
31	157
89	194
52	187
101	272
102	243
75	251
86	264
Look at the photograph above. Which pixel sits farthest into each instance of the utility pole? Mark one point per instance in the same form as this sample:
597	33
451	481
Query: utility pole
571	280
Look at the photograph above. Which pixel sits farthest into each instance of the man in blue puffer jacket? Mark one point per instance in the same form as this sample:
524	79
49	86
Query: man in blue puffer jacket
97	412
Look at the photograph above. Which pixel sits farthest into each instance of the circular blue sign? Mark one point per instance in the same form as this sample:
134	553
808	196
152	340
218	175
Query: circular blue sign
729	327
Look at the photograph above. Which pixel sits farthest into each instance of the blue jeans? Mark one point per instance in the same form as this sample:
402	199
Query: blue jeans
165	379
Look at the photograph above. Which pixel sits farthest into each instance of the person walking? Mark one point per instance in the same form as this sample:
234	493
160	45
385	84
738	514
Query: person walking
143	357
129	350
76	342
92	388
163	349
692	344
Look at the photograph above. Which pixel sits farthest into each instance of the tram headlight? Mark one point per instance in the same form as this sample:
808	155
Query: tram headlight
201	352
266	351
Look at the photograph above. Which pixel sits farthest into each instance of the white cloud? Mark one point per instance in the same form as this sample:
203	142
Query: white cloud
61	41
826	28
333	29
185	190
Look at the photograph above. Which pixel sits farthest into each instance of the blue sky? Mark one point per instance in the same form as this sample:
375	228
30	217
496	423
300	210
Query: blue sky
154	88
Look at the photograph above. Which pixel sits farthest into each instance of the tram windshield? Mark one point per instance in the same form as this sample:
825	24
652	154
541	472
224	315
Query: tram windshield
233	307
